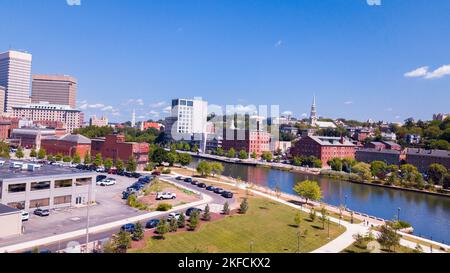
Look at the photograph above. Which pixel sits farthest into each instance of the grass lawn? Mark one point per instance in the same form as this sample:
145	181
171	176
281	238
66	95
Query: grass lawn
354	248
269	225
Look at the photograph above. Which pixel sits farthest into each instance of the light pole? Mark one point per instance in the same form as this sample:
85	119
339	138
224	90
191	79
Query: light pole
398	214
345	201
87	217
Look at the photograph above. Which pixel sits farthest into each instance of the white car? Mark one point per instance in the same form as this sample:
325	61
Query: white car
25	216
165	195
107	182
173	215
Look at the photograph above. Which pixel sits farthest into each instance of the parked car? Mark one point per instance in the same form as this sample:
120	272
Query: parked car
128	228
201	185
112	171
156	173
194	182
190	210
129	174
100	178
25	216
227	194
100	170
188	180
127	194
179	178
210	188
136	175
145	179
107	182
165	195
172	215
42	212
153	223
219	190
121	172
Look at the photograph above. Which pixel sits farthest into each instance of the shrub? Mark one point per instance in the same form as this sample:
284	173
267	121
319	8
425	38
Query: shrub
164	207
166	171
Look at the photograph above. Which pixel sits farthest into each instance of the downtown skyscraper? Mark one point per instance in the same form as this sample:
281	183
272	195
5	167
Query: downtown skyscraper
15	76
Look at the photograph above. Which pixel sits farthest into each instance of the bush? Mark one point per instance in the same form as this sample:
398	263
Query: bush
164	207
166	171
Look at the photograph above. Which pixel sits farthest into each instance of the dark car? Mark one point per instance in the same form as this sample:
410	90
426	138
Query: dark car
100	178
128	228
190	210
210	188
125	195
145	179
188	180
227	194
136	175
121	172
42	212
152	223
156	173
179	178
201	185
194	182
128	174
218	190
112	171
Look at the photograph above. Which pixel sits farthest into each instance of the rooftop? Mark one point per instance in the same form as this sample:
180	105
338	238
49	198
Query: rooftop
7	210
6	172
423	152
372	150
331	141
79	139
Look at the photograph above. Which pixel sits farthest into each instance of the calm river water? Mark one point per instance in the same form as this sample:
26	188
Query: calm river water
429	214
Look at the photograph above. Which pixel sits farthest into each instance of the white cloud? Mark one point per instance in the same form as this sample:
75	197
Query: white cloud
167	110
136	101
96	106
348	102
439	73
241	109
83	106
278	43
304	115
287	113
108	108
158	104
214	108
423	72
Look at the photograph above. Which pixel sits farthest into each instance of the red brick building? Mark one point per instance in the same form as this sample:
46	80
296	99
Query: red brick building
324	148
248	140
115	147
67	145
146	125
422	159
5	129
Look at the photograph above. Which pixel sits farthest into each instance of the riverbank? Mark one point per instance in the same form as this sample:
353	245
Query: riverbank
309	171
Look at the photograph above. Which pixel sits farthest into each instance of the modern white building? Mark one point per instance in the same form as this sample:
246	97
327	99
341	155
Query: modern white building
189	117
15	76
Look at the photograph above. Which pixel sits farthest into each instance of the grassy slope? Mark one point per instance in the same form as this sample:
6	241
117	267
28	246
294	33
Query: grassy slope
267	224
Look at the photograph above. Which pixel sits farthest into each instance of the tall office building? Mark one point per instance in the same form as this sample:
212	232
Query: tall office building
2	99
188	118
61	90
15	75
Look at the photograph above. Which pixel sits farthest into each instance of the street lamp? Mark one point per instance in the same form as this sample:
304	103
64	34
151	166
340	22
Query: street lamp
398	214
87	217
345	202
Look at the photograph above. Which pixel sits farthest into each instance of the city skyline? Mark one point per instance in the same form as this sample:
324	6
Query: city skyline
384	75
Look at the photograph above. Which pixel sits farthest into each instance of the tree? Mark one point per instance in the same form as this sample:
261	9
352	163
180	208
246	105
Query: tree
131	164
184	159
363	170
119	165
122	241
195	149
193	220
19	153
437	173
158	155
50	158
220	151
41	153
217	168
162	228
310	190
312	215
254	155
173	225
98	161
187	147
267	156
59	157
204	168
108	163
226	209
409	173
297	219
336	164
172	158
347	164
323	216
76	158
378	169
388	237
67	159
181	221
243	208
243	154
138	233
33	153
231	153
87	158
206	213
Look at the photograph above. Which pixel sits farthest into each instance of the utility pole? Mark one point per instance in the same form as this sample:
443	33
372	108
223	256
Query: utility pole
87	217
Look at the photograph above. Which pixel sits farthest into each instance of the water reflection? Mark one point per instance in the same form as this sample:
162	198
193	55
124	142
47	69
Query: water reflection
430	215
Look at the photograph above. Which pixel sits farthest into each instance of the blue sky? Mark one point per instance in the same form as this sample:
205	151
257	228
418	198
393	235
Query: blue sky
140	54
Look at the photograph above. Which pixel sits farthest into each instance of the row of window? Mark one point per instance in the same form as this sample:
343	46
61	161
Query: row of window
44	202
45	185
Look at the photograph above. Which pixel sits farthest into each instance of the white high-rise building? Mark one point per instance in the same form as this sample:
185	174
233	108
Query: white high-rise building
191	115
15	76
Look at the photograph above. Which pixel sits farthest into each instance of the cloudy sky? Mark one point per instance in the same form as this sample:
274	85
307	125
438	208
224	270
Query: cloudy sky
385	62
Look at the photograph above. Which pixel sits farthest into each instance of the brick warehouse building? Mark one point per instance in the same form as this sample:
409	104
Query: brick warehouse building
422	159
67	145
248	140
324	148
115	147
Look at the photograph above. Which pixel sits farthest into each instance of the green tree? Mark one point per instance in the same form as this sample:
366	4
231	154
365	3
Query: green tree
231	153
87	158
131	164
220	151
50	158
58	157
193	220
323	216
184	159
182	221
173	225
33	153
172	158
119	165
243	154
437	173
162	228
19	153
187	147
217	168
243	208
108	163
297	219
138	233
336	164
363	170
67	159
226	209
409	173
41	154
312	215
76	158
206	213
204	168
122	241
98	161
159	155
378	169
267	156
254	155
195	149
310	190
388	237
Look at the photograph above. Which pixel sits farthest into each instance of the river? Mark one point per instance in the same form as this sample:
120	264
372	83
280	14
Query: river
428	214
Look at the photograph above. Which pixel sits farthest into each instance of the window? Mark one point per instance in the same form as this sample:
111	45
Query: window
67	199
17	188
40	203
63	183
83	181
18	205
38	186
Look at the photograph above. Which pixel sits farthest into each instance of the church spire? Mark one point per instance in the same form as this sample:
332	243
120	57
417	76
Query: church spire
313	116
